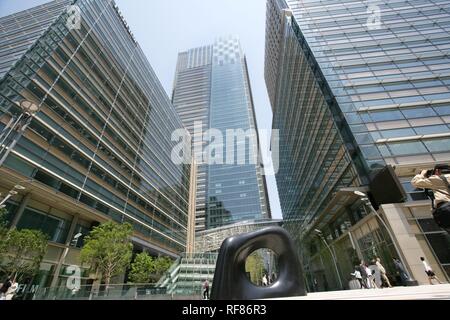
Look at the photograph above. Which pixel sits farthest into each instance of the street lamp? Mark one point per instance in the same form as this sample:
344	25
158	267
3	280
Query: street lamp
11	193
29	107
75	239
15	128
368	204
320	234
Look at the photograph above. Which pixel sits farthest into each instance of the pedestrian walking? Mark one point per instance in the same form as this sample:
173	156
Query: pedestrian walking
364	275
206	290
264	280
269	279
274	277
383	272
357	275
430	273
375	273
401	271
11	292
5	286
371	284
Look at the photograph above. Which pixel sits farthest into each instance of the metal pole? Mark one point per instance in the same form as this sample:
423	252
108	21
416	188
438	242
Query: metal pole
334	260
5	134
6	198
6	128
16	139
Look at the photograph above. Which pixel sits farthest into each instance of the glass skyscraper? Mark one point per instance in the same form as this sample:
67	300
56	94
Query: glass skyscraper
99	148
354	86
212	91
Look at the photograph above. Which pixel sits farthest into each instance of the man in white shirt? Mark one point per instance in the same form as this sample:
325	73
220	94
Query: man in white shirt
357	275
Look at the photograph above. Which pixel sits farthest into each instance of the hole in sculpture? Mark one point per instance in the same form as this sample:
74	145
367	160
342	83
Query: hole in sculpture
261	267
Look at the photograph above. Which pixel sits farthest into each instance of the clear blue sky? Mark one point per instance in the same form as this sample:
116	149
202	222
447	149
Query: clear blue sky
165	27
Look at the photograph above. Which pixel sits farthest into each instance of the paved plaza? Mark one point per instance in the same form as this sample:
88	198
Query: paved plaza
427	292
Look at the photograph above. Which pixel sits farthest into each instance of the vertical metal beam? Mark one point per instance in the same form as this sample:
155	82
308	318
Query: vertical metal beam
16	138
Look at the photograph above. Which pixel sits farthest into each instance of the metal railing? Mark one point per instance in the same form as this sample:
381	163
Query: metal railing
187	275
112	292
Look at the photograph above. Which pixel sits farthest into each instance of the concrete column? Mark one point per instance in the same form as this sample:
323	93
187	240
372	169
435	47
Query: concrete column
65	251
71	232
19	213
406	241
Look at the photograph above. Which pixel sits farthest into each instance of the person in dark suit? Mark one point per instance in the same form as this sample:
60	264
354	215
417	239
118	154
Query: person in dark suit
206	290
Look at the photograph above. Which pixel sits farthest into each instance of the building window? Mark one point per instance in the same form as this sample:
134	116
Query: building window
438	145
46	179
413	194
439	241
418	113
386	115
55	227
71	192
405	148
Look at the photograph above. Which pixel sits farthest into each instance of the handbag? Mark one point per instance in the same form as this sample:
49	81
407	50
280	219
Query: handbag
442	214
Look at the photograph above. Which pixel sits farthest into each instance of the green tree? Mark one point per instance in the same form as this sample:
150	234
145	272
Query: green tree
108	249
3	233
254	265
25	250
142	268
161	265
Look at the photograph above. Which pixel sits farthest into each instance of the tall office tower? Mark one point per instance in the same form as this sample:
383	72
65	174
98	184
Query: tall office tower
99	148
355	86
212	91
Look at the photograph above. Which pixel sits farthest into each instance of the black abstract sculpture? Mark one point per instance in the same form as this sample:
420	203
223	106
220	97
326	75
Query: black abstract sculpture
230	280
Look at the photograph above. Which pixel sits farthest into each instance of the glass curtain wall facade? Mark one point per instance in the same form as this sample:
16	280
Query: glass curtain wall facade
101	139
317	156
212	86
191	97
390	79
378	73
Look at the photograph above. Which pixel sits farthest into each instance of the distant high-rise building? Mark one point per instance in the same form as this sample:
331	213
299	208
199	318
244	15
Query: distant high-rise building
355	86
99	148
212	91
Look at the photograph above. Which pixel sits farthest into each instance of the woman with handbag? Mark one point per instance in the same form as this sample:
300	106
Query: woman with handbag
430	273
